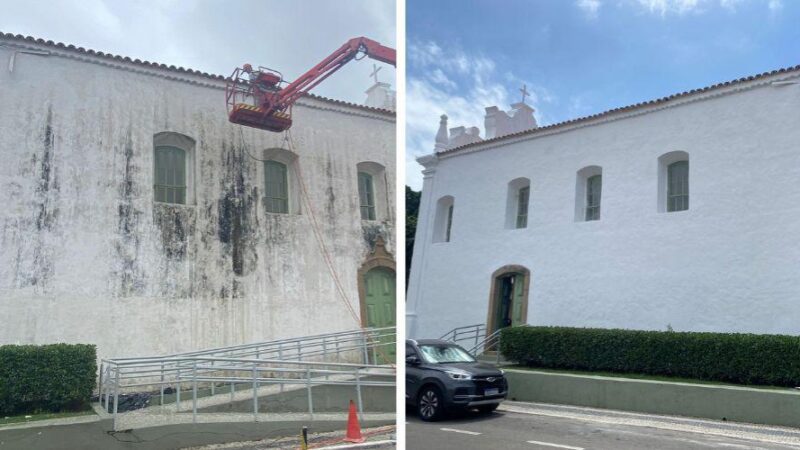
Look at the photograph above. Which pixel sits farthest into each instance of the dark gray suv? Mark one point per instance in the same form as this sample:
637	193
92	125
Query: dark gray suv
441	376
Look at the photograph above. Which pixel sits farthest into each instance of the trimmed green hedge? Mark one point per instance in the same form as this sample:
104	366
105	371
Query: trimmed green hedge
46	378
755	359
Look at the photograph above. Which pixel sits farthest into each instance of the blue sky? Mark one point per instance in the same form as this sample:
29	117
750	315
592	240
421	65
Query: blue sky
579	57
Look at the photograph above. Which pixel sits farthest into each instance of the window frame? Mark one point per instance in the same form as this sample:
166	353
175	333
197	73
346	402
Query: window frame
594	195
186	145
270	198
678	201
522	217
587	207
666	194
366	197
442	230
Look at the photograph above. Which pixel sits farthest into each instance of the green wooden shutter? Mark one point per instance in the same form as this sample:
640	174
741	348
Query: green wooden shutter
449	223
276	187
522	207
594	186
170	175
519	296
678	186
366	196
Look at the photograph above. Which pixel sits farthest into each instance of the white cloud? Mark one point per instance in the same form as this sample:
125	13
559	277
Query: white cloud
663	7
215	35
666	7
589	7
460	84
438	77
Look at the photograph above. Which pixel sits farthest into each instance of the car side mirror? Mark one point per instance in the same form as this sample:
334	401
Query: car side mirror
412	360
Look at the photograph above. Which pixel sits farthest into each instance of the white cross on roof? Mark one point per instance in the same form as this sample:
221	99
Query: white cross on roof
374	73
525	92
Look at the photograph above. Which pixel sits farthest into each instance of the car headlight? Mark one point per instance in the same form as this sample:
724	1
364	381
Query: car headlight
458	374
502	372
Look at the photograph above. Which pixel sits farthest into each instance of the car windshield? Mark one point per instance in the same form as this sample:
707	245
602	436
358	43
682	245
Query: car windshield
442	353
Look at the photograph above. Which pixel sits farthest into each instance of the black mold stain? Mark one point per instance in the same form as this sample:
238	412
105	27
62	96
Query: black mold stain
46	218
372	232
176	225
235	211
128	218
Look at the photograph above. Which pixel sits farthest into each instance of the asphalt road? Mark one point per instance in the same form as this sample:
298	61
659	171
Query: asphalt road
577	429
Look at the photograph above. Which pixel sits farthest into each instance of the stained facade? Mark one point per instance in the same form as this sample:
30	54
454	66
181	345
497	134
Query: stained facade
137	218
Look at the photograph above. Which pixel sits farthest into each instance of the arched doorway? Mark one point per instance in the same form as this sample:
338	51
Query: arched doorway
377	295
508	298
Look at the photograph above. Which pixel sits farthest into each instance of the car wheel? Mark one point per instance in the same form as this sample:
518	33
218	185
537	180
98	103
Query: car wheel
429	404
487	409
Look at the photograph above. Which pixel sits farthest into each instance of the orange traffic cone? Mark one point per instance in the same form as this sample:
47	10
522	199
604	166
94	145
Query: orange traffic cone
353	428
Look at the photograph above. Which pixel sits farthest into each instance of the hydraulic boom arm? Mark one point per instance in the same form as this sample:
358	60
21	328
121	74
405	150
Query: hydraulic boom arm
271	102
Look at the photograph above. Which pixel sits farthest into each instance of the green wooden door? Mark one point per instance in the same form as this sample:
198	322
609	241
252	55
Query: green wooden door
519	297
380	307
510	301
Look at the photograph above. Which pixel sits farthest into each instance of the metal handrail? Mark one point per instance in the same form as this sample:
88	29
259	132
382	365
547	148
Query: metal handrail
478	340
288	358
473	333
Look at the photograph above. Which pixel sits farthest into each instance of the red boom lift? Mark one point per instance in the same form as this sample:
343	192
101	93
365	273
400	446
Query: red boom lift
258	100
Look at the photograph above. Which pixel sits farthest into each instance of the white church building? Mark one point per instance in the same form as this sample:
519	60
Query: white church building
137	218
681	213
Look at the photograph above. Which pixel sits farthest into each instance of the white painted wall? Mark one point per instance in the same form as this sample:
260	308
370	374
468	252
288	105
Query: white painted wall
730	263
83	259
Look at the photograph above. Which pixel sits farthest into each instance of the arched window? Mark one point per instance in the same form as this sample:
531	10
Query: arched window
588	193
517	201
443	221
276	187
372	191
280	182
173	157
673	182
366	196
678	186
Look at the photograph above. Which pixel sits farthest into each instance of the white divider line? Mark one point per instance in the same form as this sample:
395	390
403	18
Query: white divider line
550	444
473	433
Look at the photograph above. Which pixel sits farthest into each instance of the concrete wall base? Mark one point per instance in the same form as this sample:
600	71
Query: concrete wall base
717	402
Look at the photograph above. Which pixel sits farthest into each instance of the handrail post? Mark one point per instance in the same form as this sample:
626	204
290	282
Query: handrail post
364	347
230	355
255	394
194	391
310	397
162	383
213	372
376	342
100	385
280	357
108	393
325	356
358	392
116	398
178	389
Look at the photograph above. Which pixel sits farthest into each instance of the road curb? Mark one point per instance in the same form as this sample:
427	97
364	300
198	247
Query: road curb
52	422
708	401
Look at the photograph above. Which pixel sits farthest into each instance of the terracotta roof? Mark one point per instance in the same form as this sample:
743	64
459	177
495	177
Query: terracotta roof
609	112
155	65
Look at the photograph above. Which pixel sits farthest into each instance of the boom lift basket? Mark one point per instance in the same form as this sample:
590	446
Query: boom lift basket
248	95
